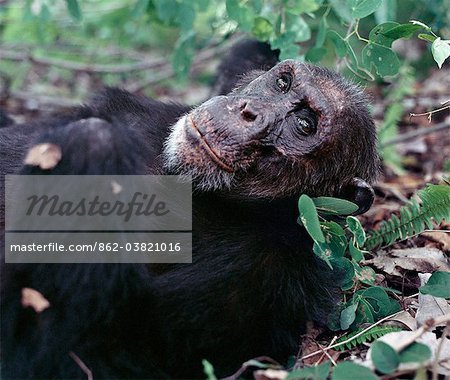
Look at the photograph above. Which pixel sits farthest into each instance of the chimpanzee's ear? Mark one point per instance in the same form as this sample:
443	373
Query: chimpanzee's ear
359	192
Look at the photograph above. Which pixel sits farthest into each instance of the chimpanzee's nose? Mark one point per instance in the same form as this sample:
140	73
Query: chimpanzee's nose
248	112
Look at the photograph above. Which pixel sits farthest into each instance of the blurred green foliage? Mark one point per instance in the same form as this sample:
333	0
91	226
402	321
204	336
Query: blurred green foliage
354	34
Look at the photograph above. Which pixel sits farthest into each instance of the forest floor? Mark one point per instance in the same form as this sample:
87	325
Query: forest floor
423	149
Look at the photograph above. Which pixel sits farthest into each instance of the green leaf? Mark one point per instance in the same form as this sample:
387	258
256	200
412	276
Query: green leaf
355	253
365	274
415	353
402	31
341	8
382	304
340	45
384	357
139	8
298	26
427	37
323	251
357	230
382	58
315	54
352	371
334	206
322	32
348	316
262	29
438	285
377	34
74	9
346	271
297	7
243	15
319	372
440	50
310	218
363	8
425	26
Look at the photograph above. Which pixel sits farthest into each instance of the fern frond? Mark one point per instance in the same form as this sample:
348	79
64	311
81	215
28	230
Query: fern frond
370	335
414	217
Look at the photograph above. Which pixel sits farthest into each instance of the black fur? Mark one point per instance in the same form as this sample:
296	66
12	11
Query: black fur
253	283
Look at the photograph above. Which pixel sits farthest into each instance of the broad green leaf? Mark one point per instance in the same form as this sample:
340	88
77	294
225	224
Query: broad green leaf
355	253
364	314
310	218
335	238
384	357
440	50
438	285
382	58
318	372
377	34
339	43
365	274
334	206
348	316
382	304
363	8
402	31
415	353
344	267
352	371
357	230
323	251
74	9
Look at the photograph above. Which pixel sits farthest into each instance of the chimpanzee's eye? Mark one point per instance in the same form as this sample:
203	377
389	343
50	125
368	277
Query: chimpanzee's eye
284	82
307	126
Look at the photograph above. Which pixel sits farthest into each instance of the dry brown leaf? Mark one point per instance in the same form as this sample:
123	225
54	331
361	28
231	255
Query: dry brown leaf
46	156
32	298
116	187
440	237
270	374
429	306
425	260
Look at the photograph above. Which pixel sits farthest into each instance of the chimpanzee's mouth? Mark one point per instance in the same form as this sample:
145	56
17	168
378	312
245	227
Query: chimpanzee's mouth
209	150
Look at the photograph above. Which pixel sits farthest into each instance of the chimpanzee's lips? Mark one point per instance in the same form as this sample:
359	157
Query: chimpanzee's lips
209	150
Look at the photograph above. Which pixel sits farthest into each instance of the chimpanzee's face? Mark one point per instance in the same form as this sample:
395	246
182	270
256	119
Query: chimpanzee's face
294	129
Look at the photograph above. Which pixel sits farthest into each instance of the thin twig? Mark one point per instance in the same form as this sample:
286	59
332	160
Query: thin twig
85	67
81	364
445	333
417	133
352	338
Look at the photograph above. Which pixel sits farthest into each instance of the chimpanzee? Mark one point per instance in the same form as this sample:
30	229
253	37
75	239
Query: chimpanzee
254	280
